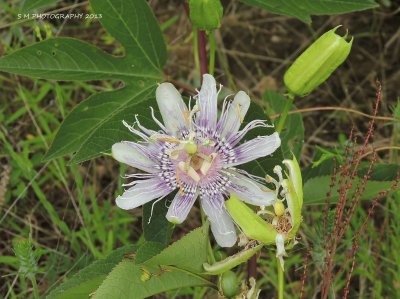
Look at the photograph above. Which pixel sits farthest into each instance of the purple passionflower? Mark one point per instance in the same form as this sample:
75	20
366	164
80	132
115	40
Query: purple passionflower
196	154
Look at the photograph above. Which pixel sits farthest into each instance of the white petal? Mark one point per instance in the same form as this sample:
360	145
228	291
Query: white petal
207	102
180	206
134	155
141	193
172	108
235	114
256	148
222	225
249	190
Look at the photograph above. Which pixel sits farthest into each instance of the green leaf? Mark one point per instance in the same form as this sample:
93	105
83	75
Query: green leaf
265	165
315	189
95	124
189	253
171	269
133	24
30	5
147	250
303	9
292	135
88	279
158	228
124	281
70	59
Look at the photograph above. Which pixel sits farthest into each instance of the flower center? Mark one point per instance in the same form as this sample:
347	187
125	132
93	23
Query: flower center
195	165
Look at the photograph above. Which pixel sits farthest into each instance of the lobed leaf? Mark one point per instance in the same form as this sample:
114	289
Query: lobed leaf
95	124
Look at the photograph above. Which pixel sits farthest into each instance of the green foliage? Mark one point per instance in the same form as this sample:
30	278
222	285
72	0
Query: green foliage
292	135
27	258
303	9
131	279
315	189
156	227
88	279
95	124
121	274
31	5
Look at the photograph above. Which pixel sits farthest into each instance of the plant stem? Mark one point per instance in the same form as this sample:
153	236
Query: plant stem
196	50
202	53
252	267
285	112
211	39
35	288
280	279
334	108
210	252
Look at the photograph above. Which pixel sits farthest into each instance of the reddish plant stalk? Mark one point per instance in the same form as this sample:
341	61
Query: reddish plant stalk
304	276
346	206
202	53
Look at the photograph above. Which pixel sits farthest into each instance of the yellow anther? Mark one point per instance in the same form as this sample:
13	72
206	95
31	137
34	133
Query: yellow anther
186	115
178	179
279	208
170	140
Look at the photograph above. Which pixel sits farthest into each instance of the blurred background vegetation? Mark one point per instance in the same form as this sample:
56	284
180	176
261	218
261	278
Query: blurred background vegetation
65	215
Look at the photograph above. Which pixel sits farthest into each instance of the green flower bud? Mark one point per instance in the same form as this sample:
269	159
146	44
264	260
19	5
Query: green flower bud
252	225
317	63
229	284
206	14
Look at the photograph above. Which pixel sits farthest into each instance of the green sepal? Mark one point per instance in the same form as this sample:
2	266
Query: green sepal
295	177
252	225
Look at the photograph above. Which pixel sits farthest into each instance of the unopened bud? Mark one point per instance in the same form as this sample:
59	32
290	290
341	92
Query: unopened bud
229	284
206	14
317	63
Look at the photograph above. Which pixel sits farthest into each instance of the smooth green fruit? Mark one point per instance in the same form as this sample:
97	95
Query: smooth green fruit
206	14
317	63
229	284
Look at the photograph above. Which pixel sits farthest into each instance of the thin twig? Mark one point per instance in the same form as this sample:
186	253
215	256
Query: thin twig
330	108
